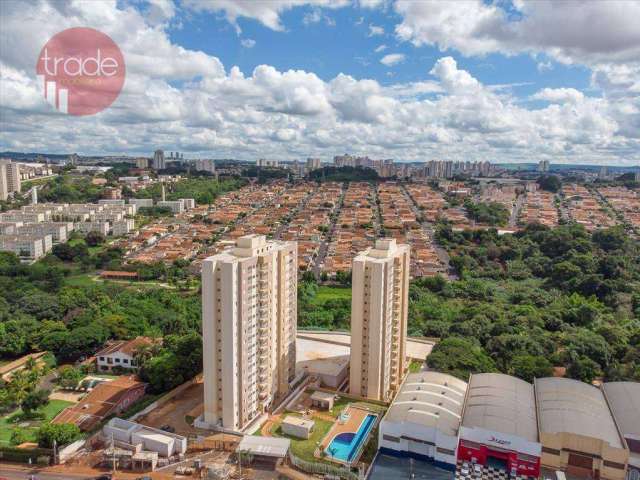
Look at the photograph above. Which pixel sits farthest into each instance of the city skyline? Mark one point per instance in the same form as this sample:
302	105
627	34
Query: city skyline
289	80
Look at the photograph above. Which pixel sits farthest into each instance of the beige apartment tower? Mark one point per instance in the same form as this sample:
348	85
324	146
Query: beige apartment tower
9	178
379	309
249	312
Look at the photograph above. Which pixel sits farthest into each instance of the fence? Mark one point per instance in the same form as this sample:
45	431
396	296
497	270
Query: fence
316	468
35	455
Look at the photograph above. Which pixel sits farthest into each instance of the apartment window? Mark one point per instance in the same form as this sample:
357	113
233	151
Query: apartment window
617	466
125	360
102	359
117	360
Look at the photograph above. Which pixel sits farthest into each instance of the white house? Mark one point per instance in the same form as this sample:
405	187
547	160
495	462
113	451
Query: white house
121	353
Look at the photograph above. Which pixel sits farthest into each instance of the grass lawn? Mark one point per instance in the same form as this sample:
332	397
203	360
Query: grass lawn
339	405
10	421
329	293
415	366
82	280
305	448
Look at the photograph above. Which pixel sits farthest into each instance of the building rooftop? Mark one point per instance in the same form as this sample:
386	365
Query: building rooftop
128	347
297	421
624	401
571	406
99	402
501	403
429	399
264	446
322	396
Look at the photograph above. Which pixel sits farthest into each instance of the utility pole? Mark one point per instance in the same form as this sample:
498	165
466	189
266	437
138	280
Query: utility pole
113	454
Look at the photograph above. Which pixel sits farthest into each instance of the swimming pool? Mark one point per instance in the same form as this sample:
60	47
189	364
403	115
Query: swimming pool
346	445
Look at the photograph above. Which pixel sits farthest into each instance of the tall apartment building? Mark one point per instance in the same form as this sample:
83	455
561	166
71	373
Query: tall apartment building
142	162
249	312
379	309
158	162
9	178
313	163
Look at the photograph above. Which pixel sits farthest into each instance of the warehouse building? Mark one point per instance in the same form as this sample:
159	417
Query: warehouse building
423	419
499	428
577	430
624	400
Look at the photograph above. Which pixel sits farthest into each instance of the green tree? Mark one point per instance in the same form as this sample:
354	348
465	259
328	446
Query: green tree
35	400
60	433
460	357
69	377
529	367
19	435
93	239
584	369
550	183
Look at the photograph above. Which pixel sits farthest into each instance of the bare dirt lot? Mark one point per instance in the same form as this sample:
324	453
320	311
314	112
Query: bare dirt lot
174	412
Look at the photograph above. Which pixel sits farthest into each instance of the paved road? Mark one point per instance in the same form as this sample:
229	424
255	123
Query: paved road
515	211
427	228
11	474
328	236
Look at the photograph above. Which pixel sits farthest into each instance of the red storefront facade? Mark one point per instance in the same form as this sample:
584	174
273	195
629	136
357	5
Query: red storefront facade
521	463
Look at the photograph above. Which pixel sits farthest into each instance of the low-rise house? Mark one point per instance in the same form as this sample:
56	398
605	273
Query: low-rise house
108	398
121	353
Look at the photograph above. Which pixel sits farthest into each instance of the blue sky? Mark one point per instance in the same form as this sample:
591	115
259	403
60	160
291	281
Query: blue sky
340	42
412	80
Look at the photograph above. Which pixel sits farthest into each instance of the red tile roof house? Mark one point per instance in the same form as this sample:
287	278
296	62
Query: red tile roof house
121	353
108	398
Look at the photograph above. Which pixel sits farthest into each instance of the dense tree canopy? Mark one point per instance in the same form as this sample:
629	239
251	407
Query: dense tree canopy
535	300
492	213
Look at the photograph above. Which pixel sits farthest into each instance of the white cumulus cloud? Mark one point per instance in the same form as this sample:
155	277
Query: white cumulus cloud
392	59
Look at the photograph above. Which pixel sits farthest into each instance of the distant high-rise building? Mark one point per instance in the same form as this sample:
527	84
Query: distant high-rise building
544	166
344	161
9	178
602	174
263	162
637	176
73	159
379	310
313	164
158	162
142	162
205	166
249	315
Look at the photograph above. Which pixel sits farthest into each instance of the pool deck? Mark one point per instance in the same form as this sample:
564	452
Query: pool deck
356	417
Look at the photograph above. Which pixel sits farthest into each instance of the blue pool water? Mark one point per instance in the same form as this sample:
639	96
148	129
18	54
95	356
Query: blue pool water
345	446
